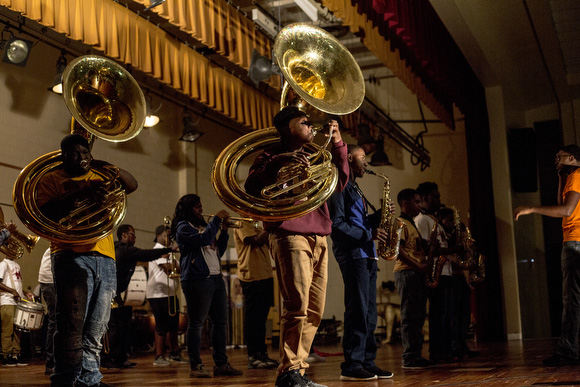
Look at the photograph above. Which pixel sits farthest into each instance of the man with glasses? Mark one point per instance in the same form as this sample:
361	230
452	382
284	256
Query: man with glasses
567	163
127	256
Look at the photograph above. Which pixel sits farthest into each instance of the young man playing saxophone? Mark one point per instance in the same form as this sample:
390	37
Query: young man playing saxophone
353	232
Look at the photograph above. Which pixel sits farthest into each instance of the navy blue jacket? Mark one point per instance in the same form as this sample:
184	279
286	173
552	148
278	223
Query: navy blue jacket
191	242
351	225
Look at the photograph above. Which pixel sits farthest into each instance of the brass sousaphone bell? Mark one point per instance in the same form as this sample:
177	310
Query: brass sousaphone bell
322	78
105	101
15	245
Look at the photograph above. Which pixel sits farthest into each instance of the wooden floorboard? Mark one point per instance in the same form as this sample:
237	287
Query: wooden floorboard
516	363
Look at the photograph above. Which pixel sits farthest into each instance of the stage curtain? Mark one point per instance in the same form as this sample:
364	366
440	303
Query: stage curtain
392	48
125	36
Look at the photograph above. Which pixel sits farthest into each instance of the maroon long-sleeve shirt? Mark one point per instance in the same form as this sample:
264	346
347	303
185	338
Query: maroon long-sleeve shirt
264	172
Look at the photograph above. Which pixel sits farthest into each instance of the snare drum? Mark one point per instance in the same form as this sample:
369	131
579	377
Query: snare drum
28	316
135	294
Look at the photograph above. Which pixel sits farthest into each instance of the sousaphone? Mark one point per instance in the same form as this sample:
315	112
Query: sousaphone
106	102
322	77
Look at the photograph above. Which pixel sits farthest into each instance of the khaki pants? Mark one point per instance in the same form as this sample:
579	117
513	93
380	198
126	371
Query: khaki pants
10	337
302	269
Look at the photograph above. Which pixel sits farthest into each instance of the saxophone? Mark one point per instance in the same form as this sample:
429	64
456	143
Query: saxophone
389	223
466	259
477	271
435	262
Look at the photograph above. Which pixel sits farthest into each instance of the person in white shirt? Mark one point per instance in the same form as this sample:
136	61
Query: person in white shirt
11	293
161	294
48	292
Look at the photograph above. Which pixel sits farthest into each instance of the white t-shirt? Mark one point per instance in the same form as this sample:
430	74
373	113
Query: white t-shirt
425	225
157	282
45	271
11	277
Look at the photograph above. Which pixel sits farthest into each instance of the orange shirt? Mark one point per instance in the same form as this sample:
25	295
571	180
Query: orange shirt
571	224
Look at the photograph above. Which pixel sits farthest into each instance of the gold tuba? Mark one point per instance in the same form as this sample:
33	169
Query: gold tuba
15	245
389	223
322	77
108	103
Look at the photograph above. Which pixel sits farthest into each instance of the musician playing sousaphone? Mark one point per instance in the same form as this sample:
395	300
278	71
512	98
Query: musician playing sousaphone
298	246
84	274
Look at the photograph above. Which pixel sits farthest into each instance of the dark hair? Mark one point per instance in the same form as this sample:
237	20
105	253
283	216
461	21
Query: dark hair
406	194
426	188
352	148
283	118
444	212
573	149
183	212
71	140
123	229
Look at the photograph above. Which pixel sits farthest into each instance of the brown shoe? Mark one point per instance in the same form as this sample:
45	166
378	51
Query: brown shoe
226	370
199	372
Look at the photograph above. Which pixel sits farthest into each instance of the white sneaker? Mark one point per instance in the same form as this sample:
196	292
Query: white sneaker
161	361
314	358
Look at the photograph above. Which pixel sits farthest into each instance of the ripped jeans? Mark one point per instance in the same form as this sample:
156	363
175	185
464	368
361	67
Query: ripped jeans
85	285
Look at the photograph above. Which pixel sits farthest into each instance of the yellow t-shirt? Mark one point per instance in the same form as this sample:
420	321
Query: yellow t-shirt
56	184
571	224
253	262
411	243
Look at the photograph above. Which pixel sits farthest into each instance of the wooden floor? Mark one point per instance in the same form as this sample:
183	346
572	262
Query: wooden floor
499	364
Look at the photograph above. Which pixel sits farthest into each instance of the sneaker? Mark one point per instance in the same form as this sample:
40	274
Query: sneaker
128	364
357	375
9	361
381	373
256	363
49	370
177	358
310	383
419	364
315	358
199	372
557	360
226	370
270	362
291	379
161	361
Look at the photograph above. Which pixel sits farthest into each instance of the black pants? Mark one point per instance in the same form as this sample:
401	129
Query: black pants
259	296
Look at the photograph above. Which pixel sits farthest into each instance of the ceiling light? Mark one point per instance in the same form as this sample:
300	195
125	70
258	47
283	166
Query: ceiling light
151	119
190	132
61	63
261	68
16	51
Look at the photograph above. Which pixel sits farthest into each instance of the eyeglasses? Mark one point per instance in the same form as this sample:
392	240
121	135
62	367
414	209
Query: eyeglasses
559	157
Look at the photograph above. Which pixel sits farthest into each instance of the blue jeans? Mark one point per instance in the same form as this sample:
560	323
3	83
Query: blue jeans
49	294
206	297
568	343
259	297
413	294
85	286
360	313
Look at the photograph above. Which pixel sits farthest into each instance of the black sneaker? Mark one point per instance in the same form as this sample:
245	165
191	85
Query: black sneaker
357	375
558	361
9	361
256	363
290	379
381	373
270	362
419	364
20	362
310	383
226	370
